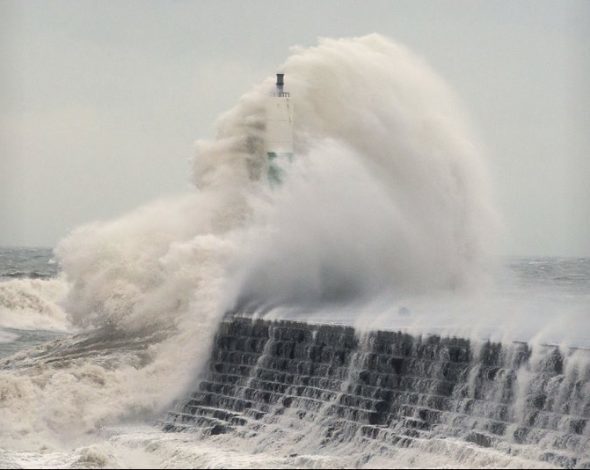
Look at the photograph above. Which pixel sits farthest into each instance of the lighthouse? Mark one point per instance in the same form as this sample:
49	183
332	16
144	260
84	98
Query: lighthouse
279	131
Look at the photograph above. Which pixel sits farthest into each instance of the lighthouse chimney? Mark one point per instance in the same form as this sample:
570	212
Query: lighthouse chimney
280	83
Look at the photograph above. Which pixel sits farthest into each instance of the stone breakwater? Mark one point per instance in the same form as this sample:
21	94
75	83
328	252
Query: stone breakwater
326	385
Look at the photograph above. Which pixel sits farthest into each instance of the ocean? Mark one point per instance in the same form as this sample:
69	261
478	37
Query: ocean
58	359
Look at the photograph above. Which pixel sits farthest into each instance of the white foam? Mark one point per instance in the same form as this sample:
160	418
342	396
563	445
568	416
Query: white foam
147	447
33	304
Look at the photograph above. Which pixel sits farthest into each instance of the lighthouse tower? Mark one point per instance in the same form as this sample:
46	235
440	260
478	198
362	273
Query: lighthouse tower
279	131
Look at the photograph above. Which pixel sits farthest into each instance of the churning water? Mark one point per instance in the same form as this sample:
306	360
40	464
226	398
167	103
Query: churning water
452	402
384	222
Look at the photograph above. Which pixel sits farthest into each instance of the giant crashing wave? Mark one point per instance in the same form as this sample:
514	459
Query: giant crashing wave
388	197
397	204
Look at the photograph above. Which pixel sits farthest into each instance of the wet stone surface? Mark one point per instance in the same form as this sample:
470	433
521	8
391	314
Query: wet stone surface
394	388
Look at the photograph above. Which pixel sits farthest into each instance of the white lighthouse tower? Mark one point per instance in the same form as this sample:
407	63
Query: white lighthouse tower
279	131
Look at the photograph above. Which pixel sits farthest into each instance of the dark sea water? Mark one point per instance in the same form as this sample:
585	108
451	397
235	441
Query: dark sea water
568	275
33	263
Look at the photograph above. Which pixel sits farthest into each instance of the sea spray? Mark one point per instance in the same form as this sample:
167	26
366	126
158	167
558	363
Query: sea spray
387	194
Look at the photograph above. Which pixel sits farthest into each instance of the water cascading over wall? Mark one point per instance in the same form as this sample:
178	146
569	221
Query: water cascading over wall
386	390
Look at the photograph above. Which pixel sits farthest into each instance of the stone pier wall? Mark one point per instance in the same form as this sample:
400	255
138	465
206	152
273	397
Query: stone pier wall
393	388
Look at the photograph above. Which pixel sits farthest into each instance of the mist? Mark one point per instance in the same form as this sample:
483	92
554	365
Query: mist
101	103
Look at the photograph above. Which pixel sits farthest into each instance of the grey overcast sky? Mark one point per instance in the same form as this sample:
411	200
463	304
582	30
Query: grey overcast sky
100	102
